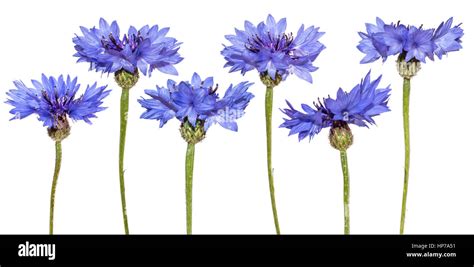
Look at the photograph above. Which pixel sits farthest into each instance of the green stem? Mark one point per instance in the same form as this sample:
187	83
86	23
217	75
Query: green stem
406	128
57	167
123	131
268	117
189	187
345	173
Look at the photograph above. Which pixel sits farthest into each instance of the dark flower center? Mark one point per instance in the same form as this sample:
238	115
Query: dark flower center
213	90
57	104
118	45
271	42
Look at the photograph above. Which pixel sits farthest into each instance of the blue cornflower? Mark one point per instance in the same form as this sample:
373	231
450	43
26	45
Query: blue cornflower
197	106
269	49
145	49
54	100
275	54
141	50
358	107
411	43
197	103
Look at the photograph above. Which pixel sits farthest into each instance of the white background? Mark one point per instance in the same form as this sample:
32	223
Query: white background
230	180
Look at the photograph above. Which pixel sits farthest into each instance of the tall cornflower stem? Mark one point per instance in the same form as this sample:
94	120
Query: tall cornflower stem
406	132
268	119
189	167
345	173
126	80
123	132
57	168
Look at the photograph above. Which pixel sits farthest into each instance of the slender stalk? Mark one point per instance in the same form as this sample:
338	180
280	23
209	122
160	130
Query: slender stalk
57	168
123	131
406	128
268	120
189	187
345	173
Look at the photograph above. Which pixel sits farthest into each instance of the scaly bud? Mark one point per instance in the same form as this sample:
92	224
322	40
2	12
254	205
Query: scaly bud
125	79
61	130
193	134
340	136
407	69
268	81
